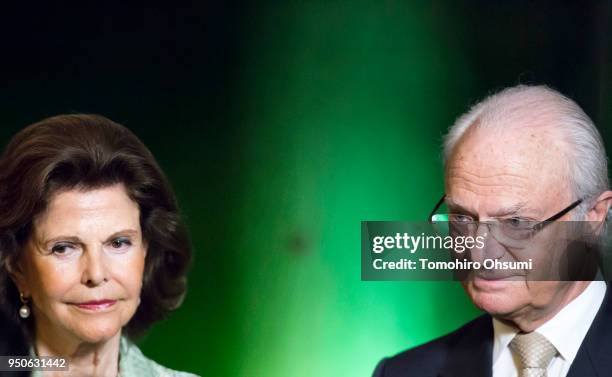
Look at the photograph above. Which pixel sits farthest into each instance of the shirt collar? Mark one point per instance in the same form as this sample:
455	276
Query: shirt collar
502	336
566	330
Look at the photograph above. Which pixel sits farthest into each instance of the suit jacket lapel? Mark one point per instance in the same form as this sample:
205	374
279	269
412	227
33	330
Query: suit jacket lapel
471	354
594	357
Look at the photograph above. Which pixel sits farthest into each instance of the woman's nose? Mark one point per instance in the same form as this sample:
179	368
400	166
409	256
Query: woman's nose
94	270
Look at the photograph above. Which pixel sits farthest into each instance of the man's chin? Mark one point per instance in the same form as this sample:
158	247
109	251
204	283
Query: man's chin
496	297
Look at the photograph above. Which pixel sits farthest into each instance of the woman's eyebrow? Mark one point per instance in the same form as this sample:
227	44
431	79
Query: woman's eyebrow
77	240
125	232
71	239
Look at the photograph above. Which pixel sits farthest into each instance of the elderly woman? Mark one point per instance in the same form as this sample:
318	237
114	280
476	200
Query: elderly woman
92	248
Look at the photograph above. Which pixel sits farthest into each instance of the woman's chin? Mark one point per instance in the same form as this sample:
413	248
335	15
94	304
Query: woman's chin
96	332
97	327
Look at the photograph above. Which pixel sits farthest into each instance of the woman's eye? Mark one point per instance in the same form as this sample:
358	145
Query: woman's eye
120	243
62	249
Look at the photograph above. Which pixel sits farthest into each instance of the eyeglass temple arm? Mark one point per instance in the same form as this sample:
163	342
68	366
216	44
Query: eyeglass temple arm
542	224
433	212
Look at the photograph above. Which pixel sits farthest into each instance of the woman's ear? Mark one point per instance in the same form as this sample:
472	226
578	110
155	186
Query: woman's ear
15	270
145	247
599	211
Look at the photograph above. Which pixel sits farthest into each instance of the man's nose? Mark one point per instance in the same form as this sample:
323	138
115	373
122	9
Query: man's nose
94	270
491	248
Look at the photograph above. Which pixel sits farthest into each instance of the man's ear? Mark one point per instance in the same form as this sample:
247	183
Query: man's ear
599	211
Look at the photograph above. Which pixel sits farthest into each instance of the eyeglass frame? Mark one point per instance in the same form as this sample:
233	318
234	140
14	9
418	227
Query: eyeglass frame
536	228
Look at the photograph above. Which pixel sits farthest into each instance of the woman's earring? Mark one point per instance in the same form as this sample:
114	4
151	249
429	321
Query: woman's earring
24	311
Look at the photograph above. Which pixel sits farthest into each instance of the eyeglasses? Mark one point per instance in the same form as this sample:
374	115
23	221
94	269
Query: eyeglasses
511	232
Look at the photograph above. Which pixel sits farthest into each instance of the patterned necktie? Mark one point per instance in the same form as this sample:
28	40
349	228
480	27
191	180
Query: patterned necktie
535	353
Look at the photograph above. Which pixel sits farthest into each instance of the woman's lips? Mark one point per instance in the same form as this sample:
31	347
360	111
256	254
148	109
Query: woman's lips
96	305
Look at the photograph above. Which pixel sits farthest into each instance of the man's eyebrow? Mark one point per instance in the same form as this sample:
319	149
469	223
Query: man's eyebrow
458	207
500	212
510	210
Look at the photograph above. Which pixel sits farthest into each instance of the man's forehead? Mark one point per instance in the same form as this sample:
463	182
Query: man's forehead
496	172
521	164
508	149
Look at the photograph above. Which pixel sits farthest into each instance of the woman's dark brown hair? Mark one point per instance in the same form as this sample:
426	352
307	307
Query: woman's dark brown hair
87	152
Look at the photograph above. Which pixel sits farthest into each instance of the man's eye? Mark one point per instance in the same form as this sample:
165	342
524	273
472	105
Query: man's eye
462	218
517	222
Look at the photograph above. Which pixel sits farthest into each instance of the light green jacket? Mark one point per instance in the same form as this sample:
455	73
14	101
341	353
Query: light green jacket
132	363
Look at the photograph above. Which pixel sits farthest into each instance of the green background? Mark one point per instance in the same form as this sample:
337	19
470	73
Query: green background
284	125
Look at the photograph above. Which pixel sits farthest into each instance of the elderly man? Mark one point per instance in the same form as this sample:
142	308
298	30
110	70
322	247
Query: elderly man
523	155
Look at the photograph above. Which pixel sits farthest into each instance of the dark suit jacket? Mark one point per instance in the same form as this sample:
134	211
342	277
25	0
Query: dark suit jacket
467	352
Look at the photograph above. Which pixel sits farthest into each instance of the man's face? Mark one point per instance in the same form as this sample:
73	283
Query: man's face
515	172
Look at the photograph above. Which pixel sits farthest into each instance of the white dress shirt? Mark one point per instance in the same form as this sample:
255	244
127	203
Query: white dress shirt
566	331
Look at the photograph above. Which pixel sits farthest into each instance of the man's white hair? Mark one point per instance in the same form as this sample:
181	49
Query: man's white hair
537	105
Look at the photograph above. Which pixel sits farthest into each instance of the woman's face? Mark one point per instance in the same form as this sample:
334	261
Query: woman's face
82	267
